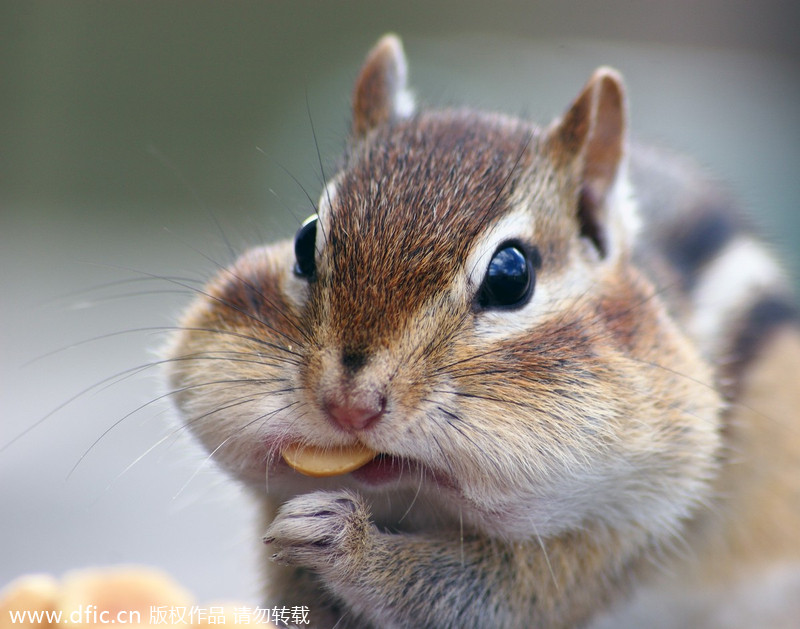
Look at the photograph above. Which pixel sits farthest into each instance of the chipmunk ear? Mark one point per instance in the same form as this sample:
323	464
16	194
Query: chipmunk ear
381	93
591	139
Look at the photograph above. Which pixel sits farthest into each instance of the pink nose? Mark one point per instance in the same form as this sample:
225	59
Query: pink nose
356	415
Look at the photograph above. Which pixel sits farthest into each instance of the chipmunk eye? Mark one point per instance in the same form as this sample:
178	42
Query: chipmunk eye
510	278
305	247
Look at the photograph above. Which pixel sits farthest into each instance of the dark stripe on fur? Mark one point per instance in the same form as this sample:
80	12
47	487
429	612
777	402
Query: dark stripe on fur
690	246
765	316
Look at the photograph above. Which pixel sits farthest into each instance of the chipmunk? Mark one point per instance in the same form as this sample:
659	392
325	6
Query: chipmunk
506	376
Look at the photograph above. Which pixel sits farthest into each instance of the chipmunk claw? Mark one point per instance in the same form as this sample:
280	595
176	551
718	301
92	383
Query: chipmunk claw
320	529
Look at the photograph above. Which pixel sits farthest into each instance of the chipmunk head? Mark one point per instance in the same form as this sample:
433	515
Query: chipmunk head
463	306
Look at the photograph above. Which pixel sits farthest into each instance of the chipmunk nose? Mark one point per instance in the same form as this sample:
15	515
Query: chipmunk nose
356	414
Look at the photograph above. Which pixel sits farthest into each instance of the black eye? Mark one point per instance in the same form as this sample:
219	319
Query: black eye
305	247
510	278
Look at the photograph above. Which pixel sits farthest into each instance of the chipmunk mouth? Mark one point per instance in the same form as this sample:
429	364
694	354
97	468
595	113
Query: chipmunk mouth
361	463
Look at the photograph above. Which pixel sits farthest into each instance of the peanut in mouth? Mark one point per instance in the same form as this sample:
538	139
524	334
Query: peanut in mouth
323	462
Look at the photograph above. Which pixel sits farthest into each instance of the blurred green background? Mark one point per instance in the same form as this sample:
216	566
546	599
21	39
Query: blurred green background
155	138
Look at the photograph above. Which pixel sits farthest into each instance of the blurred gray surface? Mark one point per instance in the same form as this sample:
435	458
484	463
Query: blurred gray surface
146	139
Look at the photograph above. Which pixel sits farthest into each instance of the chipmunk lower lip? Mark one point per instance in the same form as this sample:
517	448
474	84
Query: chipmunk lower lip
383	468
386	468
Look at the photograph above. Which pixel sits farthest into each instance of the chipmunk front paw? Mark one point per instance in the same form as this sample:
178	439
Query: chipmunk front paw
321	530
